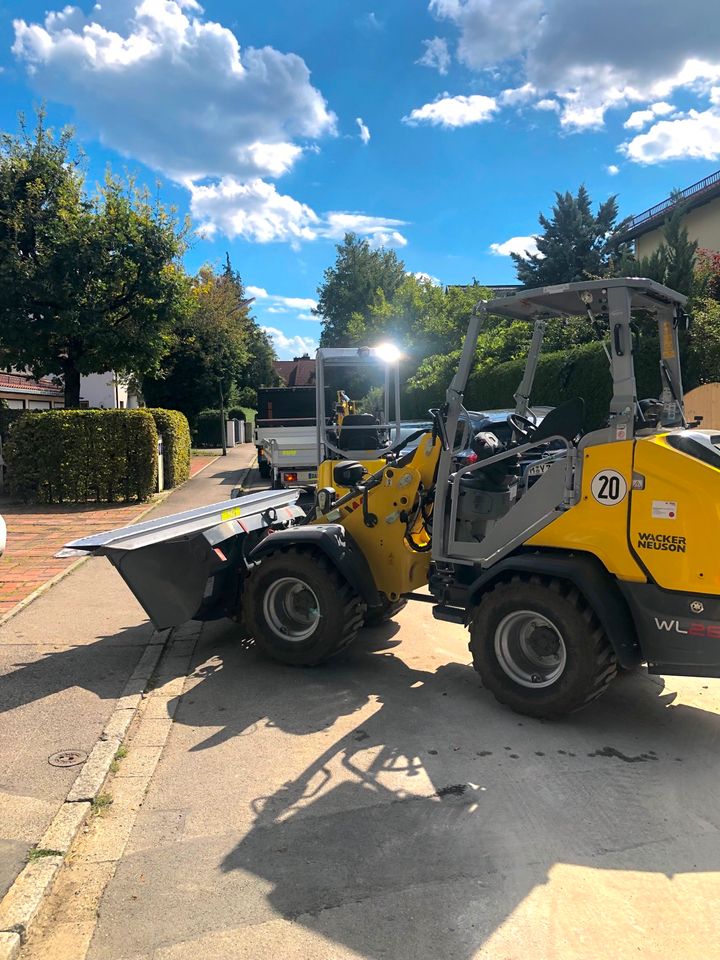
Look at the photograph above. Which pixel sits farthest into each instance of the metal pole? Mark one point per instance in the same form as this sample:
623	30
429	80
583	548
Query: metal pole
223	430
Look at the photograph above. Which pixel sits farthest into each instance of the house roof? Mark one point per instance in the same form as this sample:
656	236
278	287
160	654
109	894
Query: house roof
299	372
693	196
19	383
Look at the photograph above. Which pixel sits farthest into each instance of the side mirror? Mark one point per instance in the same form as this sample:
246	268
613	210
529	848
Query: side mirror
348	474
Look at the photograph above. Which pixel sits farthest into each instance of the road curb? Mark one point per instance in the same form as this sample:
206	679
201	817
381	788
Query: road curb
20	905
246	472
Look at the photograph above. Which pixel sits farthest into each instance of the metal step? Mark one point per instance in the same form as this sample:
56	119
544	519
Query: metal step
450	614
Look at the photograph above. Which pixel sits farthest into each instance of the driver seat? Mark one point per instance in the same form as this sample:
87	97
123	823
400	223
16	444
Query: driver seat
565	421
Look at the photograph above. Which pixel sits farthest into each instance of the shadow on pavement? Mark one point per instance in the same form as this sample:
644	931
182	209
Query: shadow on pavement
356	852
102	667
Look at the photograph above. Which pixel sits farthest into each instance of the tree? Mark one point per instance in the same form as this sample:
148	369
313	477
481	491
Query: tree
87	284
673	263
575	244
351	286
209	349
258	370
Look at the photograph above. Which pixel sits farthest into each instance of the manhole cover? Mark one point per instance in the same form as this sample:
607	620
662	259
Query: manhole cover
67	758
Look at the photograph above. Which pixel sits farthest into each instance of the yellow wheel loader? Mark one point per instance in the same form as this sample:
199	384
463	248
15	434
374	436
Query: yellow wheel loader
599	557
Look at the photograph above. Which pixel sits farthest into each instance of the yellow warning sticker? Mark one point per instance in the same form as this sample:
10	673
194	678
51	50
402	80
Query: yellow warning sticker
231	513
288	453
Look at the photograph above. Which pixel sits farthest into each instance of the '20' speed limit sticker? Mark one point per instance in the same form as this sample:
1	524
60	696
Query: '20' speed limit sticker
608	487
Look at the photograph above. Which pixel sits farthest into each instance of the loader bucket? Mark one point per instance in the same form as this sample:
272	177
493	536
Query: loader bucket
185	566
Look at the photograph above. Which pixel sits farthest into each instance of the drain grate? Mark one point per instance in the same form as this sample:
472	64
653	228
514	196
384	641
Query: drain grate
67	758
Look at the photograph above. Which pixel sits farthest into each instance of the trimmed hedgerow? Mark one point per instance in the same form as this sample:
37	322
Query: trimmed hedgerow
75	456
175	431
7	419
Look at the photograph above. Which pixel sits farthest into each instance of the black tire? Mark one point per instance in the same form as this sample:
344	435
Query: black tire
574	660
390	608
326	614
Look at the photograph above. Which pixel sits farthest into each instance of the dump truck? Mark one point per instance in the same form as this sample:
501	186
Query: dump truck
606	562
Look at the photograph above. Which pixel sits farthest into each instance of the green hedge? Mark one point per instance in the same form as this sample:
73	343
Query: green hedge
7	419
175	431
81	455
581	372
206	430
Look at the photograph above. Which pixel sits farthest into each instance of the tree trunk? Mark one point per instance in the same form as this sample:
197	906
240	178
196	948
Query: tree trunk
71	378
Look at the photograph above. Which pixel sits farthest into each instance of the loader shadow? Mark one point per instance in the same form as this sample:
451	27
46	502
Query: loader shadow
420	831
102	667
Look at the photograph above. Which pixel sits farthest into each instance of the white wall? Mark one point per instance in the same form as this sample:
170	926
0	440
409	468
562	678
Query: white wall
106	390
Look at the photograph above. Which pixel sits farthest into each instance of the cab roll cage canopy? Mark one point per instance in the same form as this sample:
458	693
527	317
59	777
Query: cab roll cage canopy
347	358
613	301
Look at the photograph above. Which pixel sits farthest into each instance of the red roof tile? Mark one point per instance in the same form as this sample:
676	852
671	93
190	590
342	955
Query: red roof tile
299	372
19	382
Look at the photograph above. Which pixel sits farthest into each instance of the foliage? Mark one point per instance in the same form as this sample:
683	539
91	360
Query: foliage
81	455
209	348
707	274
218	349
701	356
247	397
673	262
352	286
87	284
206	429
575	243
7	419
562	375
175	431
240	413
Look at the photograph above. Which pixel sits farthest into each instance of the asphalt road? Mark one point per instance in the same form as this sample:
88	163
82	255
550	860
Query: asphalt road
385	806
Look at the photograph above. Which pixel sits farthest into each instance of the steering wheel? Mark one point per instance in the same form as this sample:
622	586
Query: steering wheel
521	425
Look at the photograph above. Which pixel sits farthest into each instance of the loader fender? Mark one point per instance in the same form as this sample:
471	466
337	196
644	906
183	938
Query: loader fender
339	547
590	577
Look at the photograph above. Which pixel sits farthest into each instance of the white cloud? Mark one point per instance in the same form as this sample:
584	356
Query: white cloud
525	246
157	81
308	316
613	169
363	128
693	136
257	211
260	293
572	50
436	55
640	118
160	83
548	104
380	230
458	111
288	347
515	96
426	278
254	211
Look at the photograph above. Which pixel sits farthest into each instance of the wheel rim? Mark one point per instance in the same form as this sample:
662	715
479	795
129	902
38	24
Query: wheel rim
530	649
291	609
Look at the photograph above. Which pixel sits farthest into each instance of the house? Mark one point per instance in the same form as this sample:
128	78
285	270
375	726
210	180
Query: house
20	391
701	217
299	372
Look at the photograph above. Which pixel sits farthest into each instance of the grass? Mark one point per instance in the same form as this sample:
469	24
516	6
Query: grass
120	755
100	804
205	452
39	852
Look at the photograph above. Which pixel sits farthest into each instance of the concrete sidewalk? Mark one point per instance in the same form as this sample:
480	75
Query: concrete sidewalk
64	660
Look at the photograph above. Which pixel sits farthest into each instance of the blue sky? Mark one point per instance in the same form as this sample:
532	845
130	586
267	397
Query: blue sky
439	127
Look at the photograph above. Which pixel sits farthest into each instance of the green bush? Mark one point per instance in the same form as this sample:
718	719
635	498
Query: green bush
81	455
206	429
7	419
175	431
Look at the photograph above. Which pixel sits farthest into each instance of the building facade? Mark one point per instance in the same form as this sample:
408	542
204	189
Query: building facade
701	217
